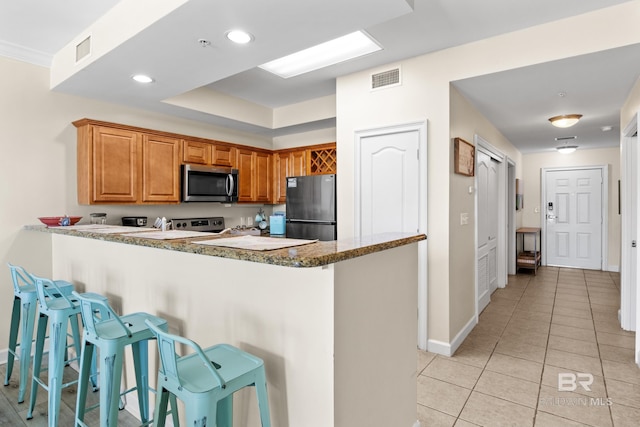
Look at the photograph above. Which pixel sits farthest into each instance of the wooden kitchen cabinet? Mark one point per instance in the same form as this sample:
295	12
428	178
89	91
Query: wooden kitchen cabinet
160	169
254	176
223	155
287	163
207	153
196	152
120	165
322	159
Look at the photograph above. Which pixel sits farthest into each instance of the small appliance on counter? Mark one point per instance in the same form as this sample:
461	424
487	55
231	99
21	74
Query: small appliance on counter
134	221
277	225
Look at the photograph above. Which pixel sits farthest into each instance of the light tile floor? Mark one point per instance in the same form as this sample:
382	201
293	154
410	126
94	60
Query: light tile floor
561	321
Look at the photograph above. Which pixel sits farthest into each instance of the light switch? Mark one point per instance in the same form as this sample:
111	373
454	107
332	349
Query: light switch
464	218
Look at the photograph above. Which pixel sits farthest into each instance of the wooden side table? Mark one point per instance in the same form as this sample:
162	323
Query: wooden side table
529	259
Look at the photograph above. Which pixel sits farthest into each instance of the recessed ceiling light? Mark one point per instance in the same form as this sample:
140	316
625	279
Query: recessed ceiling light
606	128
142	78
239	36
329	53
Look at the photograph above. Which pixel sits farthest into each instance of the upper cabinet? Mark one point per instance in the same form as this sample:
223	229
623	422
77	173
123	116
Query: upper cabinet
121	165
160	169
301	161
208	153
254	174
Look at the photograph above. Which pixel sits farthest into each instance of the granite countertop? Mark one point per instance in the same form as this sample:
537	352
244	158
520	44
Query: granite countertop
311	255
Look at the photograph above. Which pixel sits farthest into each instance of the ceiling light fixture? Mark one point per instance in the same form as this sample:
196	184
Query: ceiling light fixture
565	120
323	55
567	149
142	78
239	36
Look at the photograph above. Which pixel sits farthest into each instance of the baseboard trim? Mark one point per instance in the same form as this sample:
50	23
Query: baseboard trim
613	268
448	349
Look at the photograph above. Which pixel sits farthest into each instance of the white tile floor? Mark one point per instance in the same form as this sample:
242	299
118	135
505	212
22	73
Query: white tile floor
559	322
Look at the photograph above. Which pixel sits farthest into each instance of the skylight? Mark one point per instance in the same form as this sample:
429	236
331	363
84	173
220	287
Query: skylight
332	52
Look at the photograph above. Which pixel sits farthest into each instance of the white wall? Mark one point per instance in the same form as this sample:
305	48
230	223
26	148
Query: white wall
424	94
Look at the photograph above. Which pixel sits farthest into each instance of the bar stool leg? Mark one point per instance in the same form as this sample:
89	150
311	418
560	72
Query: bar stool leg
29	308
110	380
199	411
13	340
58	343
140	351
37	362
263	401
160	414
87	360
224	416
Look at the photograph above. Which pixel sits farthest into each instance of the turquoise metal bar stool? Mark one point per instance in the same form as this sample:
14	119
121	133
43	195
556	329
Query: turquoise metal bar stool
23	316
205	380
111	333
59	310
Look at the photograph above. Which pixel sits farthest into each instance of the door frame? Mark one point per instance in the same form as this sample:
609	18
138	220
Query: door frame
511	217
628	284
503	190
604	206
421	128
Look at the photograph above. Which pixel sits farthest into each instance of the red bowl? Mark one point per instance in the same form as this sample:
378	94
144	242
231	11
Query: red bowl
56	221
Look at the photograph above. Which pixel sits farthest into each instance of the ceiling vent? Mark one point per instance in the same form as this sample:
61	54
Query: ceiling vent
565	138
83	49
385	79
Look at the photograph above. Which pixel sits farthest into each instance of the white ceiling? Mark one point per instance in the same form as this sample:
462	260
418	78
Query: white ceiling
518	102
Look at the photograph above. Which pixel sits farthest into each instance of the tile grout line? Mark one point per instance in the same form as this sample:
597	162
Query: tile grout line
546	348
595	332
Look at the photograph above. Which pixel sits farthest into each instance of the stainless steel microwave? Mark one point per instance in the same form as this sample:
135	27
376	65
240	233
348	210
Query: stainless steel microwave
209	184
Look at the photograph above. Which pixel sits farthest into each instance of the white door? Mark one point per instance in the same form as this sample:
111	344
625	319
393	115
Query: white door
390	193
389	177
573	206
487	190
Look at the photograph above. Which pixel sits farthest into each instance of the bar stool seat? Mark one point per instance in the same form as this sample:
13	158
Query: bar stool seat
25	304
111	333
205	381
59	310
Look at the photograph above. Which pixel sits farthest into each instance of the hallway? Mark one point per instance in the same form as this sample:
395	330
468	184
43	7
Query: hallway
560	324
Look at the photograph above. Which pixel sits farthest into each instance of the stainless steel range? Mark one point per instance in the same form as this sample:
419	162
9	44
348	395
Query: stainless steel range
212	224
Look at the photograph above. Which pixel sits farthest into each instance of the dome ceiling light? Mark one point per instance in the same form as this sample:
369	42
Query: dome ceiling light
565	120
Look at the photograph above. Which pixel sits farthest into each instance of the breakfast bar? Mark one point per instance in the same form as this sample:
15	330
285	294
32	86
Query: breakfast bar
335	322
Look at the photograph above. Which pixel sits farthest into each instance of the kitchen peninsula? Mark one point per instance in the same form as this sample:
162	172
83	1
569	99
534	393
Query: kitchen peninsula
335	322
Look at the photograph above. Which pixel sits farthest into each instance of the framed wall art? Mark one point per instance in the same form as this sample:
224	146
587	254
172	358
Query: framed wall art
464	157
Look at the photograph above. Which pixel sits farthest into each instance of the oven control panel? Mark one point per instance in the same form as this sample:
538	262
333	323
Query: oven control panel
212	224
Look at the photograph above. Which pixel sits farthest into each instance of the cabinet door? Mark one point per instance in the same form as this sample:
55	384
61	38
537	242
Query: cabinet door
197	152
280	171
244	163
298	163
161	169
115	165
223	155
262	177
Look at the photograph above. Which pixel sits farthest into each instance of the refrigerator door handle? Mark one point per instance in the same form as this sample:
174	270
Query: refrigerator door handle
314	221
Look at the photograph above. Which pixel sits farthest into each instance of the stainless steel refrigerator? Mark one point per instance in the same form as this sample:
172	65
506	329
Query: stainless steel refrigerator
311	207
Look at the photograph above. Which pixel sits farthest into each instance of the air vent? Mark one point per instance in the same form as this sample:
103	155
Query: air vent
565	138
385	79
83	48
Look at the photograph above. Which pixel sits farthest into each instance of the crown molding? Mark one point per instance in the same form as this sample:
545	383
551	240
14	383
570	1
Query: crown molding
25	54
